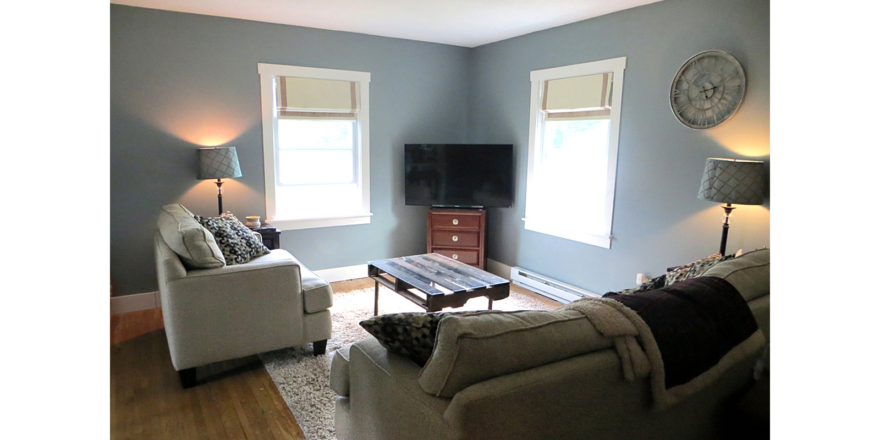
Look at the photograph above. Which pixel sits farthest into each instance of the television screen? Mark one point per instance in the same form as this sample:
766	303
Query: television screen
459	175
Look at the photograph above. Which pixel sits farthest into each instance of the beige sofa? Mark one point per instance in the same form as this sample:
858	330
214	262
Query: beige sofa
532	375
231	311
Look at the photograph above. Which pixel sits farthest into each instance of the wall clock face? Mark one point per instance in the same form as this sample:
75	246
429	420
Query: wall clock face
707	89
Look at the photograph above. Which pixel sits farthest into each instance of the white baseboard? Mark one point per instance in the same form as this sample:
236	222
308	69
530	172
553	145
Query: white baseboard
133	303
335	274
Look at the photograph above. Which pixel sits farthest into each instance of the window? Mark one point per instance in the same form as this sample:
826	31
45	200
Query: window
315	146
575	119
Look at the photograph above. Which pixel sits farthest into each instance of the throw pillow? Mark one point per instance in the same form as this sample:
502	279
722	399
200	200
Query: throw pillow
236	241
410	334
193	244
695	269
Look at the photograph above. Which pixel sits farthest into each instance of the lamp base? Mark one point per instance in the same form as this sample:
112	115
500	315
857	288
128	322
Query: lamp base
727	210
219	197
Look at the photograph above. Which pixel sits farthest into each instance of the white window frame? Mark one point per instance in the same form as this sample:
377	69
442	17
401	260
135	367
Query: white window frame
534	222
268	72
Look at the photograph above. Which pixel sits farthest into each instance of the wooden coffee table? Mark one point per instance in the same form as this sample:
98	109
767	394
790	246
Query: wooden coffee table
433	281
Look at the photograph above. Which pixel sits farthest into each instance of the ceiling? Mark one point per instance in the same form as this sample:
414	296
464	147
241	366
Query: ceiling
467	23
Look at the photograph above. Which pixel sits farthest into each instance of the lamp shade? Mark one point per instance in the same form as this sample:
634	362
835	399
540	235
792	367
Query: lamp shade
733	181
218	163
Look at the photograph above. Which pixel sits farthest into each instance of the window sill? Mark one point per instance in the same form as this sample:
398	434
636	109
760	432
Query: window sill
321	222
603	241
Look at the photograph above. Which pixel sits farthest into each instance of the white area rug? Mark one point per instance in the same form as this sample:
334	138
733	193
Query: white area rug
304	379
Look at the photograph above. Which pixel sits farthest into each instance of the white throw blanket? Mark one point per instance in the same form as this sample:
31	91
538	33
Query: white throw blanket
617	321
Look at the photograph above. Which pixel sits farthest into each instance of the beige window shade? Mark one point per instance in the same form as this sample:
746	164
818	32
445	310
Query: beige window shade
578	97
316	98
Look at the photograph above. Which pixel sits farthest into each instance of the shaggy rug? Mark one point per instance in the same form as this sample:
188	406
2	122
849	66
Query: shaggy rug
304	379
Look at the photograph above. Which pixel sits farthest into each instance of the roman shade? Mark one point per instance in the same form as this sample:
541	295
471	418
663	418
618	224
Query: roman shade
577	97
298	98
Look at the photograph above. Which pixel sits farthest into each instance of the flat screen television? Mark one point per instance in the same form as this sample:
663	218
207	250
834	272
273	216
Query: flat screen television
459	175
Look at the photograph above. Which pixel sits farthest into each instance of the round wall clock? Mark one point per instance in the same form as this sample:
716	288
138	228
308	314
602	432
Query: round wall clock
707	89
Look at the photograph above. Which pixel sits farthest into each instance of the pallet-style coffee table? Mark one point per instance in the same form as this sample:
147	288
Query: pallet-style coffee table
442	281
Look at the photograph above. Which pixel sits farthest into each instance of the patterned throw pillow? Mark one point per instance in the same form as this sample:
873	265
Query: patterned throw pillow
410	334
236	241
652	284
695	269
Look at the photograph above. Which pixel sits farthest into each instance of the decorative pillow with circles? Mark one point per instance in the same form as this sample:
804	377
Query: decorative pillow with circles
236	241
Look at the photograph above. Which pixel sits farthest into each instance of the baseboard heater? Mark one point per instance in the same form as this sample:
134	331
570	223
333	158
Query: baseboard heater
556	290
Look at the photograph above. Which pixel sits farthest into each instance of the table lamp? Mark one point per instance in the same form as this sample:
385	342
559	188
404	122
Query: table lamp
218	163
732	181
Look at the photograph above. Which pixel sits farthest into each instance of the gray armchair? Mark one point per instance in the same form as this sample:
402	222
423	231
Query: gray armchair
228	312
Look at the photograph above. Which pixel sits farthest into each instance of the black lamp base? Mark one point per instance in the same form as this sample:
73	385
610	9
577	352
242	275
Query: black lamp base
219	197
727	210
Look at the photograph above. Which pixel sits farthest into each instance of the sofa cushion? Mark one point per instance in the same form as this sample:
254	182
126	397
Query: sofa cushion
472	348
749	273
193	244
236	241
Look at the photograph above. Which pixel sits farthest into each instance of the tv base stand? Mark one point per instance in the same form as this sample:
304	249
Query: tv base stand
459	234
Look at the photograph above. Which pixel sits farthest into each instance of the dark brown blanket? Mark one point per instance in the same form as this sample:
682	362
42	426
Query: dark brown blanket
695	323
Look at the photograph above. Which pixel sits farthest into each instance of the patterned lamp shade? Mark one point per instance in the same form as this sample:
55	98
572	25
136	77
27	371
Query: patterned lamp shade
733	181
218	163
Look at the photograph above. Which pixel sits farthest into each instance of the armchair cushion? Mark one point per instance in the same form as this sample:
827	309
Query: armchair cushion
234	238
193	244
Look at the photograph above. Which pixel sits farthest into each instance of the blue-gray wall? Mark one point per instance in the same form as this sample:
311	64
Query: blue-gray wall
658	220
180	81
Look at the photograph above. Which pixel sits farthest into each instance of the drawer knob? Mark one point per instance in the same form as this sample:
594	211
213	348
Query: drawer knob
455	221
454	256
454	238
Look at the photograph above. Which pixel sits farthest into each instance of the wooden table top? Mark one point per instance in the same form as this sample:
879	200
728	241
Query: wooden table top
436	274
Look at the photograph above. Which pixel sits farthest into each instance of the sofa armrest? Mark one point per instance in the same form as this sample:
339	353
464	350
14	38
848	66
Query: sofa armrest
168	264
340	381
245	309
386	402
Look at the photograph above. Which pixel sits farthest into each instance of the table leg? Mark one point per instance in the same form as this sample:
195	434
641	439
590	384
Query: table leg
490	303
376	304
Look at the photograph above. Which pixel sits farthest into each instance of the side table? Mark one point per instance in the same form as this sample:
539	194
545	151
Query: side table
271	236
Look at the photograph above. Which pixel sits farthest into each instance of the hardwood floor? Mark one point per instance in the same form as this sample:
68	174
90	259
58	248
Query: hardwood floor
234	400
237	400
